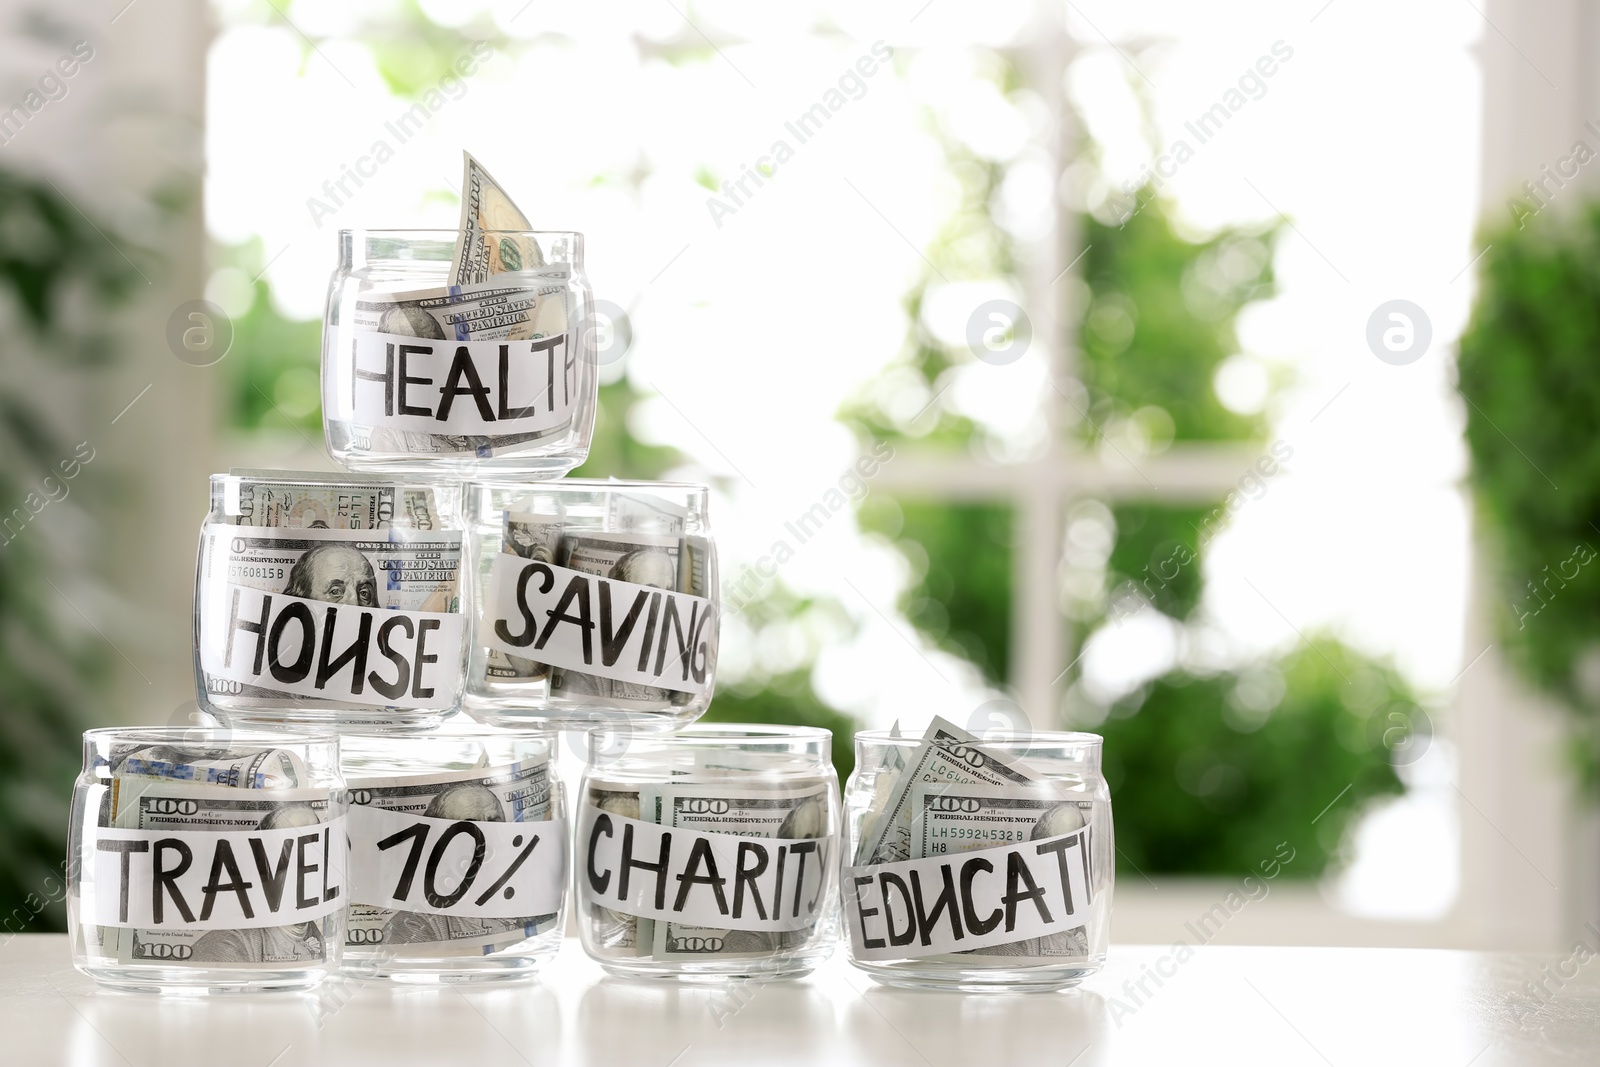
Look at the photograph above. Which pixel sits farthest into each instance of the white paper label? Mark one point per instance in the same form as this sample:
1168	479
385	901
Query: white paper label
334	651
967	900
460	387
719	881
600	626
444	867
228	880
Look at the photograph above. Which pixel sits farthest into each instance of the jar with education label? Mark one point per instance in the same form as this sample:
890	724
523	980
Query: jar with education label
978	863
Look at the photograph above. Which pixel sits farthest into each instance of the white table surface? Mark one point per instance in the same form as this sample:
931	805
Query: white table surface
1280	1006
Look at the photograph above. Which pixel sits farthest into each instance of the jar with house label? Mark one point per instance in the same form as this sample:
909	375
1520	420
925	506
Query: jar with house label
207	859
325	599
592	602
977	864
429	367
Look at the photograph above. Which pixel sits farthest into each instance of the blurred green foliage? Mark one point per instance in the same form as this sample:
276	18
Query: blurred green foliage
1154	554
1529	369
58	272
1160	321
960	555
1208	774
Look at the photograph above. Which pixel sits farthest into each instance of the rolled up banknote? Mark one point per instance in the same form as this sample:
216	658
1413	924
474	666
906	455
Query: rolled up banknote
517	793
535	537
267	768
333	502
952	818
156	804
795	810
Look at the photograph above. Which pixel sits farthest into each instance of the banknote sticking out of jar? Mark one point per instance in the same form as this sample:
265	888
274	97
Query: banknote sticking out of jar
977	864
325	599
207	860
594	602
439	363
708	854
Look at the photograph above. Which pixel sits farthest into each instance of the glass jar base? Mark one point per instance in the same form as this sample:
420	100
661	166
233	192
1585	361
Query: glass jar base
441	972
327	717
979	980
511	711
188	982
710	973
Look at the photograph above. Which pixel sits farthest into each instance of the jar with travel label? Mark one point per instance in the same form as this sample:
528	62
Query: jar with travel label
207	859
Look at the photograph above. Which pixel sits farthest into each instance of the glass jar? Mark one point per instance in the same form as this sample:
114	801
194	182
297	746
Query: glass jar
594	601
207	860
709	853
424	374
976	864
458	854
293	623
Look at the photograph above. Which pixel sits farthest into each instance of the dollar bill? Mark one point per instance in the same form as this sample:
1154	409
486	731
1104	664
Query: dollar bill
643	559
336	502
792	811
614	933
138	803
947	755
518	307
411	572
483	247
533	537
520	792
345	436
963	818
269	768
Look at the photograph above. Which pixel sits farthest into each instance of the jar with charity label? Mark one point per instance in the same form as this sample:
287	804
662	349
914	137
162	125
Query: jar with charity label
325	599
975	863
709	853
593	602
207	860
430	368
458	854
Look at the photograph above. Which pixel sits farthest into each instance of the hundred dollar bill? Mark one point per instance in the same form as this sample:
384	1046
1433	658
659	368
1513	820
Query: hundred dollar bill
523	306
535	537
643	559
145	804
271	768
519	792
403	570
345	436
948	755
485	209
796	811
614	933
347	503
964	818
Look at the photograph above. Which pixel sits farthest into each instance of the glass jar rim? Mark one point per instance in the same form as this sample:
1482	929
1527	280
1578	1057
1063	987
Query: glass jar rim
1050	737
585	485
729	732
268	736
440	232
265	474
455	728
